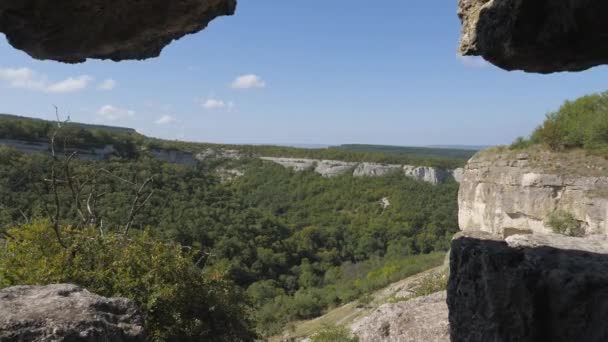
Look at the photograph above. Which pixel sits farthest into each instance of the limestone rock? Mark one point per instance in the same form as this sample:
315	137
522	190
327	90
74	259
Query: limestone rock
175	157
222	153
293	163
507	189
331	168
375	170
428	174
536	35
528	288
66	312
73	30
416	320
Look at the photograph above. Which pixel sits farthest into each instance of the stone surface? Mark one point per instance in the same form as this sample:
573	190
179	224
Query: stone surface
66	312
416	320
427	174
528	288
506	189
375	170
175	157
72	30
332	168
536	35
293	163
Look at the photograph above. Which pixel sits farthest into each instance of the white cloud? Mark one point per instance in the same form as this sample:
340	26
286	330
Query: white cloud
248	82
26	78
111	113
70	84
472	61
212	104
165	120
107	84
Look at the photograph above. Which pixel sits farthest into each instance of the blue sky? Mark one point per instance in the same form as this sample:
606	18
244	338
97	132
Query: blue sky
303	72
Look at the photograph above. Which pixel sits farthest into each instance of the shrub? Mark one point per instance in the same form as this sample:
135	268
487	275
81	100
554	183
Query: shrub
564	223
179	301
334	334
432	283
520	143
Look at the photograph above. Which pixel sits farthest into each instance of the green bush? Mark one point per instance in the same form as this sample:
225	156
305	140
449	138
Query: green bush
179	301
564	223
582	123
334	334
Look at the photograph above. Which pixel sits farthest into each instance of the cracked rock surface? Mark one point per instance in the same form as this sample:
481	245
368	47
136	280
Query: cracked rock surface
64	312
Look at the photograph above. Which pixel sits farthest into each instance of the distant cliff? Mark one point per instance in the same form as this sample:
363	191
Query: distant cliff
504	189
331	168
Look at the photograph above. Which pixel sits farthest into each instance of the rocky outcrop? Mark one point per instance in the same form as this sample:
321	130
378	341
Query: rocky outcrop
332	168
539	287
507	189
116	30
66	313
33	147
175	157
375	170
536	35
222	153
293	163
419	319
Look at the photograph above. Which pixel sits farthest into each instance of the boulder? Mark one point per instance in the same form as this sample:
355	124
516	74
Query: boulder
416	320
66	312
528	288
536	35
73	30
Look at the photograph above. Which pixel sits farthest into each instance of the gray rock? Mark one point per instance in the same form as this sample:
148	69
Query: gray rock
427	174
528	288
175	157
293	163
423	319
536	35
66	312
375	170
332	168
116	30
502	189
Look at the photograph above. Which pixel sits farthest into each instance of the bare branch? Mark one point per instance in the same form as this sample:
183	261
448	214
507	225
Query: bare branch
136	206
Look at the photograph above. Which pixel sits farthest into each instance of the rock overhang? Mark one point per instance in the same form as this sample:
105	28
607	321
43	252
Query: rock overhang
541	36
72	31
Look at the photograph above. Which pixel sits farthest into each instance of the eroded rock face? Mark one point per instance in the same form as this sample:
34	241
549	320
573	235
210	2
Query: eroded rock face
66	312
528	288
419	319
72	30
511	190
536	35
332	168
375	170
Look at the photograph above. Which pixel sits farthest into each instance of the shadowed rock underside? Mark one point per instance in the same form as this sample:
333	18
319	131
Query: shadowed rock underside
540	36
72	30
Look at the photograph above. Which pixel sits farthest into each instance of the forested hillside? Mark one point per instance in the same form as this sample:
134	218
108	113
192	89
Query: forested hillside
294	242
